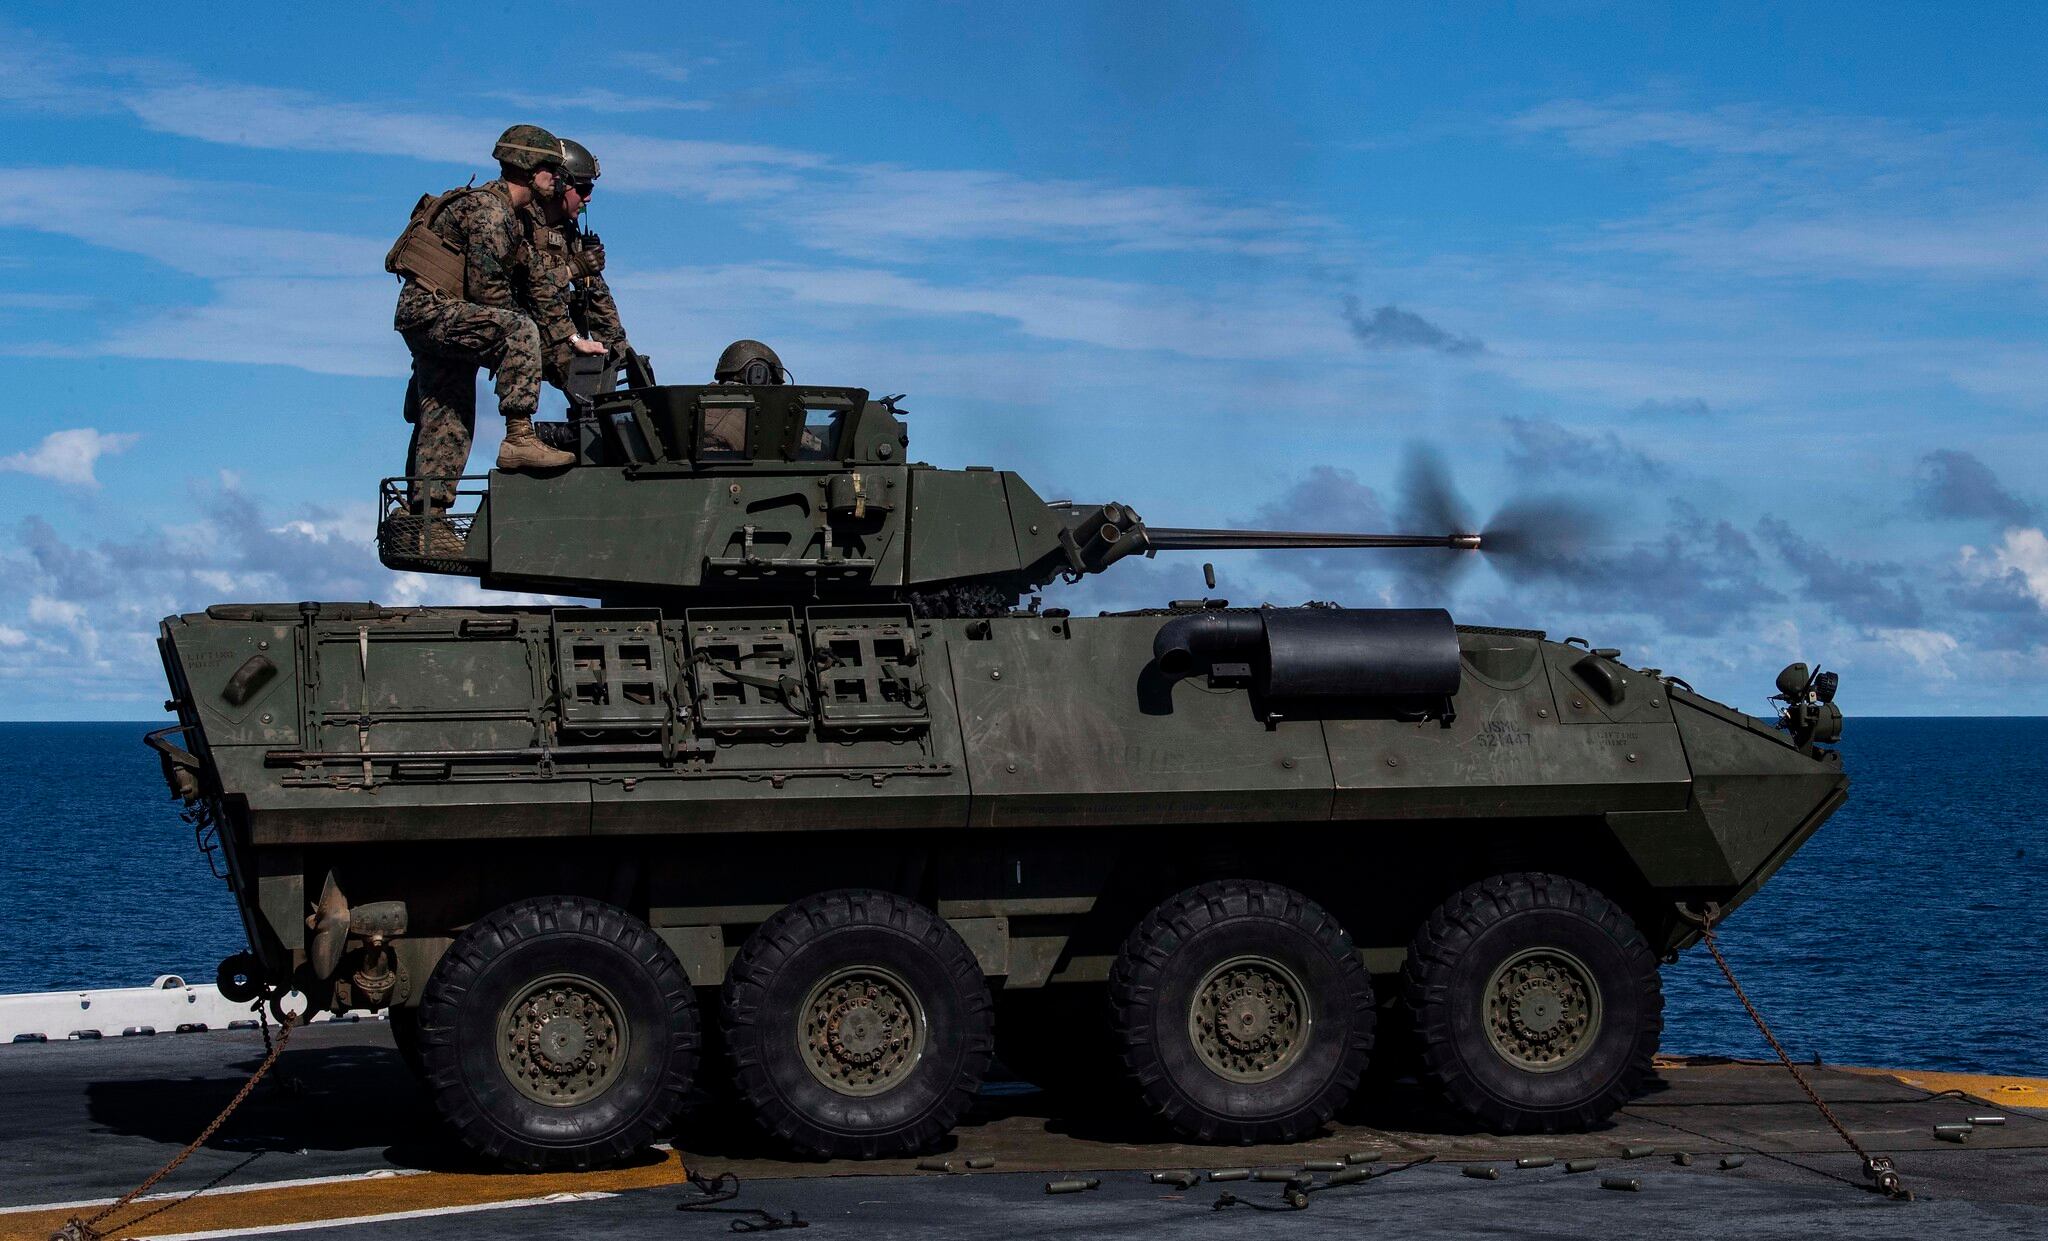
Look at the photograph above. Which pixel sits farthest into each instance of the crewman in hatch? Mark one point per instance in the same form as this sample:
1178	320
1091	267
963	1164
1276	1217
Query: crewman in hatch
744	362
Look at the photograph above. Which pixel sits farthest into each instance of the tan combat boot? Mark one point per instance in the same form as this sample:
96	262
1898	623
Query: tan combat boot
522	449
443	543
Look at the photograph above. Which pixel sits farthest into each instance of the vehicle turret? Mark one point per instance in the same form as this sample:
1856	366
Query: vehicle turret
700	494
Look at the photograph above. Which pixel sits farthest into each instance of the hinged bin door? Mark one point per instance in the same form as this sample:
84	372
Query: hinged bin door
746	668
867	669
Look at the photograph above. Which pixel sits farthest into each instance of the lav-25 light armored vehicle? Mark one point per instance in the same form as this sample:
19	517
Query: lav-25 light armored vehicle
811	780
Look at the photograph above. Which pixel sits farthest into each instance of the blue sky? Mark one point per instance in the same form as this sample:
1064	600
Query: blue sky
1763	286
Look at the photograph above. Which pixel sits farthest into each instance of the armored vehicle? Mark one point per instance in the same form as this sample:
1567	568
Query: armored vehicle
819	787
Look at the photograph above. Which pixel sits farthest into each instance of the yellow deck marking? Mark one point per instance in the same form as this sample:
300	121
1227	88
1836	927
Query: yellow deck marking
340	1200
1990	1087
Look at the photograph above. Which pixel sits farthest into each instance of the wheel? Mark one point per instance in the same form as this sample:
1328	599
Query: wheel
558	1032
405	1035
1242	1013
858	1025
1537	1003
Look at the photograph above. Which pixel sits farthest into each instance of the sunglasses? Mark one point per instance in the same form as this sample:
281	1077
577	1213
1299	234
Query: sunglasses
585	188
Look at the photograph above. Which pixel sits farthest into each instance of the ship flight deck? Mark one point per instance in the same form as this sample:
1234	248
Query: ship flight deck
341	1143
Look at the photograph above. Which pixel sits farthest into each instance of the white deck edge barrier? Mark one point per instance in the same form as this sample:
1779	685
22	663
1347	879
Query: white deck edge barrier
167	1006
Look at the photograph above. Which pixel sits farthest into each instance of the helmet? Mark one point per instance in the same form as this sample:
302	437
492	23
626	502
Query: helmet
527	147
577	160
750	362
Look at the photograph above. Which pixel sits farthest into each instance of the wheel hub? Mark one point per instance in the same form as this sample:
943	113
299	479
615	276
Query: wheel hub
1542	1009
863	1030
561	1041
1249	1019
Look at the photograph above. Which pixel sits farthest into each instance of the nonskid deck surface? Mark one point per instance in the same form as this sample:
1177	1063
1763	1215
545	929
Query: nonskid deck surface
342	1133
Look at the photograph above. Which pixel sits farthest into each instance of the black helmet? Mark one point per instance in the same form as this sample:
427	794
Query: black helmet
750	362
577	161
528	147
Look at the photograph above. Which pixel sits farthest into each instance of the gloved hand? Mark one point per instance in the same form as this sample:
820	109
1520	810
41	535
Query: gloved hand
589	261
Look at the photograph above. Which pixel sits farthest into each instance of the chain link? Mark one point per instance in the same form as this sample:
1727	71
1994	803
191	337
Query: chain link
1877	1167
76	1229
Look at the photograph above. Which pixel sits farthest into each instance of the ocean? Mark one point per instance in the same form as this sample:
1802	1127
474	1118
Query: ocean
1908	932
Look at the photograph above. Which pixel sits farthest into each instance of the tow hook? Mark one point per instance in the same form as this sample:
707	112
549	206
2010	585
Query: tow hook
181	766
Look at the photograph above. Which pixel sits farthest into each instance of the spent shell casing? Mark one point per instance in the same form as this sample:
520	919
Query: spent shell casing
1987	1120
1581	1165
1730	1162
1683	1159
1065	1187
1361	1157
1951	1135
934	1165
1295	1198
1534	1161
1482	1172
1277	1174
1231	1174
1350	1176
1637	1152
1629	1183
982	1161
1954	1128
1322	1165
1179	1179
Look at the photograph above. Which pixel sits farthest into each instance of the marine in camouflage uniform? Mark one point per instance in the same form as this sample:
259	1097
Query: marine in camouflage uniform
571	297
486	323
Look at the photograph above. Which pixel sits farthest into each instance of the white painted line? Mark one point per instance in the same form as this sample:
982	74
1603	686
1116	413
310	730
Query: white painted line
218	1191
428	1213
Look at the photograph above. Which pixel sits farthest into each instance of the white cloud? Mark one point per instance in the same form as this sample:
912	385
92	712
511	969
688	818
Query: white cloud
1927	648
68	457
598	99
328	325
290	120
2024	552
846	207
1743	130
10	636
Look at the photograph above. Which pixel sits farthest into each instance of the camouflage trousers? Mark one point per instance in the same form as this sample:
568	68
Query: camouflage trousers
449	340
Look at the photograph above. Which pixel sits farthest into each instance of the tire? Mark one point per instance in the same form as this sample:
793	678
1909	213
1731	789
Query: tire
1265	945
596	984
858	1026
405	1035
1578	1042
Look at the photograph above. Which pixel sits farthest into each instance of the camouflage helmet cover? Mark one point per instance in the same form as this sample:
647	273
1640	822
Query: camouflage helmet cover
749	362
577	161
528	147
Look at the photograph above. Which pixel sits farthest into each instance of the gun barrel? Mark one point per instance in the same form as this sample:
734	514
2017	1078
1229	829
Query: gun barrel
1185	539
